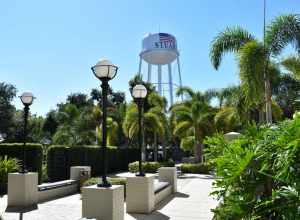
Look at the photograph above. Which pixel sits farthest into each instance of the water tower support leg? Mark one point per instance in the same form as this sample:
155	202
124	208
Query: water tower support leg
170	84
149	72
140	68
159	80
179	73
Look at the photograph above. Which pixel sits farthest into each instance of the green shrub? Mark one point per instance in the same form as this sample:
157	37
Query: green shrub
112	180
150	167
195	168
33	152
7	165
147	167
57	163
61	158
169	163
258	175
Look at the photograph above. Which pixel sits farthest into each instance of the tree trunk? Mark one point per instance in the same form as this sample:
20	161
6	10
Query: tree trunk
155	152
261	117
198	153
268	94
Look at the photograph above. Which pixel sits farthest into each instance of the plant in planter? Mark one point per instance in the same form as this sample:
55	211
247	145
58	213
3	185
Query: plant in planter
7	165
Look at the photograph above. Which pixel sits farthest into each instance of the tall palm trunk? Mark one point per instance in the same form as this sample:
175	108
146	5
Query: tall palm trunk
261	114
155	147
198	151
268	97
268	92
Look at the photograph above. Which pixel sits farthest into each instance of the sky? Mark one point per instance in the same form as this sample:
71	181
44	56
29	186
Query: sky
48	47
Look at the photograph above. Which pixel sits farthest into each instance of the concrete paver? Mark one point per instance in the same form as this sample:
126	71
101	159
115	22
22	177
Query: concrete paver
190	203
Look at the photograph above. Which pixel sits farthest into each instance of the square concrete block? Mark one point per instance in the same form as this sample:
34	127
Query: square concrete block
76	171
168	174
103	203
140	194
22	189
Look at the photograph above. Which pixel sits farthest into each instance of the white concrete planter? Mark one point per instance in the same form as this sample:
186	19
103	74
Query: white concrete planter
103	203
22	190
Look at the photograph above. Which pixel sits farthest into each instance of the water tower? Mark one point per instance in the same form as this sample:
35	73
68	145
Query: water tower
158	50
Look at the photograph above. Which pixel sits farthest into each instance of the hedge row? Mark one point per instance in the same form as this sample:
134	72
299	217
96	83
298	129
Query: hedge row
200	168
61	158
150	167
33	153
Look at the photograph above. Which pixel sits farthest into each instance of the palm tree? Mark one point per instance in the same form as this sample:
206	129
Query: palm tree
151	120
193	119
254	57
292	64
76	126
158	106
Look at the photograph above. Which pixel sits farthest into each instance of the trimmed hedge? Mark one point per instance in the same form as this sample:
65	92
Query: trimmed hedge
195	168
149	167
61	158
33	152
112	180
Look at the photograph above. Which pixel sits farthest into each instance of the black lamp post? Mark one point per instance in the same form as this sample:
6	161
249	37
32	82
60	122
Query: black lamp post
139	92
104	70
27	99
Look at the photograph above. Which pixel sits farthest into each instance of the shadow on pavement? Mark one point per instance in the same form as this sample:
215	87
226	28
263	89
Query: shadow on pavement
154	215
21	210
163	203
210	177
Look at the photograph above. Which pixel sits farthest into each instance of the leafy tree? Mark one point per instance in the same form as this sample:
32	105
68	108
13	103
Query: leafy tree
151	120
193	119
76	126
254	57
117	113
286	94
292	64
113	99
51	123
7	110
80	100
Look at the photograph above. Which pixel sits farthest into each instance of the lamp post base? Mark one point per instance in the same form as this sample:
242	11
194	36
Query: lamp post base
23	171
103	203
140	194
22	189
104	185
140	174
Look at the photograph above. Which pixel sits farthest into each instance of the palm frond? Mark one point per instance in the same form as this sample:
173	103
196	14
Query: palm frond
283	30
292	64
251	64
182	128
230	40
185	90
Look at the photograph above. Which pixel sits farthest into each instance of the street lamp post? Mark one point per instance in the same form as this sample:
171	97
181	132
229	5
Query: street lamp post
104	70
27	99
139	92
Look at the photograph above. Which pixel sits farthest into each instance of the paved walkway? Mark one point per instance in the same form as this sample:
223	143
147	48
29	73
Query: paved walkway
192	202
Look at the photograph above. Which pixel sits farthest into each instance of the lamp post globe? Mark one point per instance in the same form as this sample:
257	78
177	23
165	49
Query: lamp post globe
139	93
104	70
27	99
